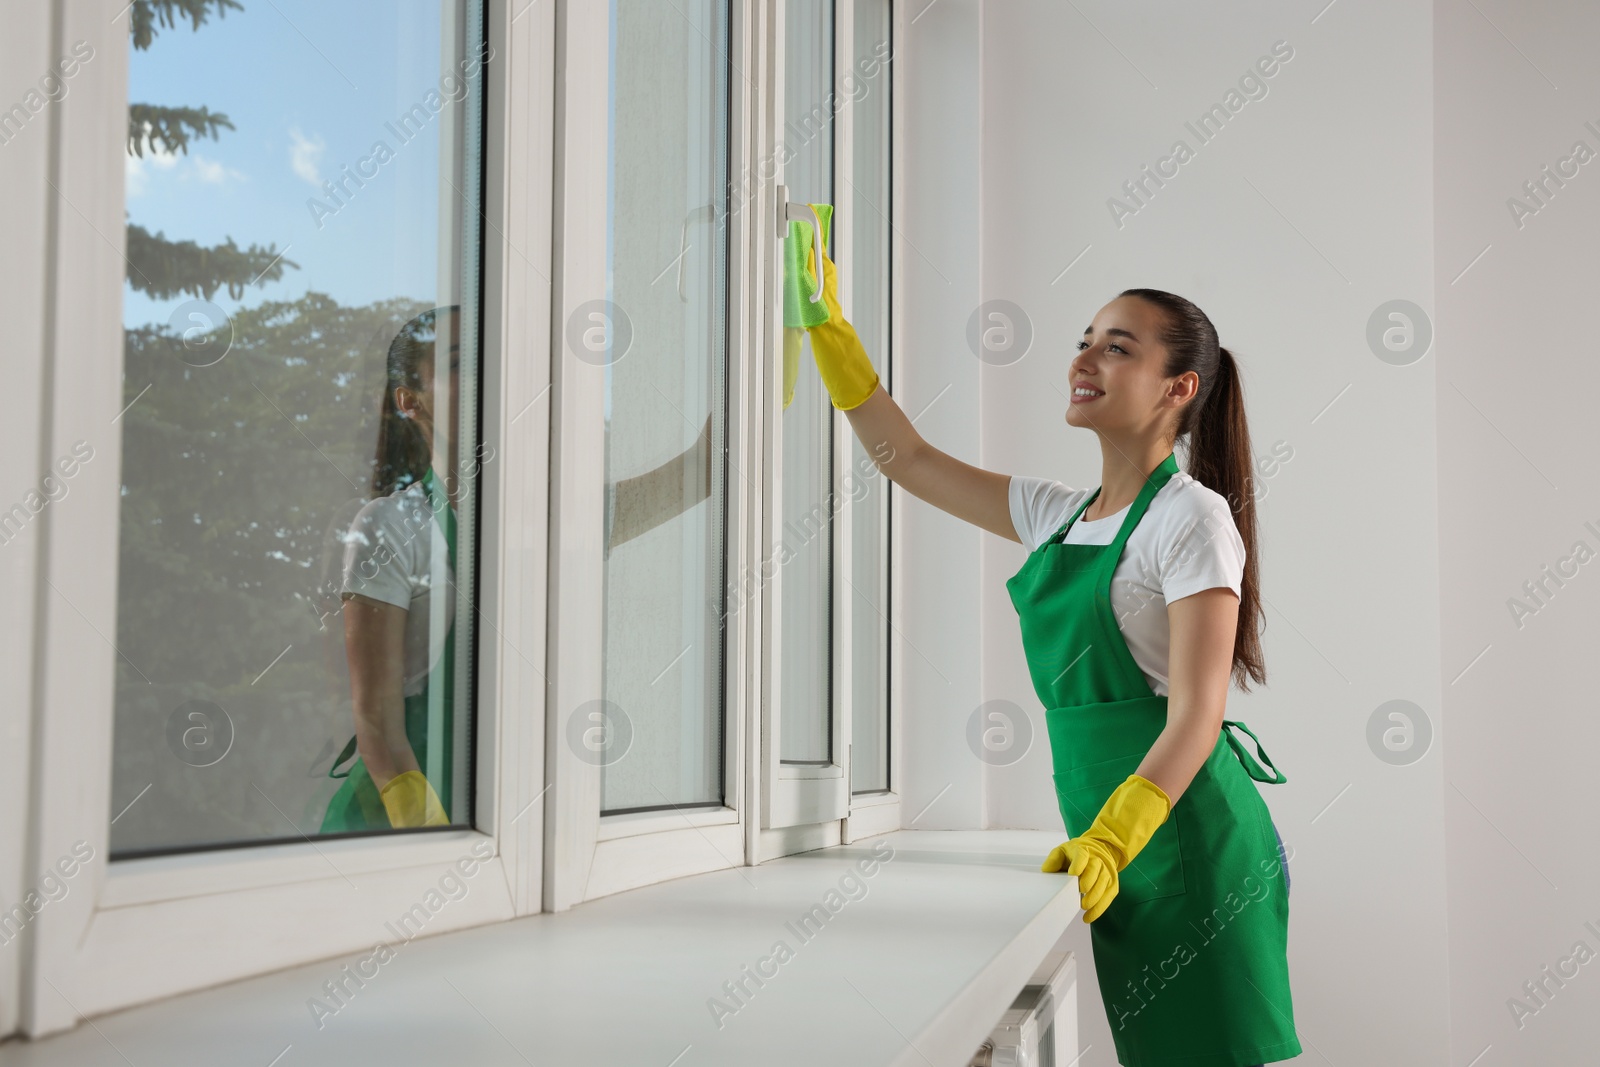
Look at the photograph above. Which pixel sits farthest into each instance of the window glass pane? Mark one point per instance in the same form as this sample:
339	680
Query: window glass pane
869	518
805	521
665	399
300	442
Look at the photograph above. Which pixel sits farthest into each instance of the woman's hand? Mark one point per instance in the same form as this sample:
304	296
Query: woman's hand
1129	818
846	369
411	801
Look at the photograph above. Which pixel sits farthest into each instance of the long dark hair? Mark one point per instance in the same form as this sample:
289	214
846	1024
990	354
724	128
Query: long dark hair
404	452
1219	451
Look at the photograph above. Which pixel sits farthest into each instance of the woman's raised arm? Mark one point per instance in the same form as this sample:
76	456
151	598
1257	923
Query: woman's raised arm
979	496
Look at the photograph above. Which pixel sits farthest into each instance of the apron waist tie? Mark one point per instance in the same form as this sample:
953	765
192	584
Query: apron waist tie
1251	767
348	751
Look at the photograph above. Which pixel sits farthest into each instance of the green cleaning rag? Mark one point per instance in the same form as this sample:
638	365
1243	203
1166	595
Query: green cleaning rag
799	284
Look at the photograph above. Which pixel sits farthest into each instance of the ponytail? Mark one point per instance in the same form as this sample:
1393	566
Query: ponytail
1219	455
1219	459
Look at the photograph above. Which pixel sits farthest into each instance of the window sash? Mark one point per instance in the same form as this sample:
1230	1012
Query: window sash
593	855
145	928
879	811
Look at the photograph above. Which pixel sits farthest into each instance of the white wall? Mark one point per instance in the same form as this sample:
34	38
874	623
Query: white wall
1309	210
935	271
1516	490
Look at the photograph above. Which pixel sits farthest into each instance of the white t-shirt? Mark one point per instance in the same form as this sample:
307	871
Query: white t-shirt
1186	542
394	547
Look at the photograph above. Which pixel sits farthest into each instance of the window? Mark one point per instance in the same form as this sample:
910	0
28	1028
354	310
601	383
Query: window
805	757
829	706
299	443
272	220
664	355
705	537
644	657
868	193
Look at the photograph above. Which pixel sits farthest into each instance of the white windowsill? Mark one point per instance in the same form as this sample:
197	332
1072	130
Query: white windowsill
942	939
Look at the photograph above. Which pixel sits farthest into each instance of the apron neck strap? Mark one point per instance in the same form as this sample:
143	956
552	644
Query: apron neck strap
1152	485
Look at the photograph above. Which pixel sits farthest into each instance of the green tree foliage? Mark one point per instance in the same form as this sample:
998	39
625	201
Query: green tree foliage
158	267
165	269
171	127
146	13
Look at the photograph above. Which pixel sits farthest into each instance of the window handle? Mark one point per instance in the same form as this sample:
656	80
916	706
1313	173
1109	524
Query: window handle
700	214
792	212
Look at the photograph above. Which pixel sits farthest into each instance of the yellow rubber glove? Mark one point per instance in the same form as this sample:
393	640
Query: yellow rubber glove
411	801
846	370
1129	818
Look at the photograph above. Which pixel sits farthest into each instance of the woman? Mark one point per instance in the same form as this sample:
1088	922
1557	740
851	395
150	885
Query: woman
399	562
1175	854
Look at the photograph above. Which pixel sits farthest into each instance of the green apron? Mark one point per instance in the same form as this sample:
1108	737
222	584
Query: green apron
1192	954
356	805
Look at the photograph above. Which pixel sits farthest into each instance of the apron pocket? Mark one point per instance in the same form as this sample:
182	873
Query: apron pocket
1157	871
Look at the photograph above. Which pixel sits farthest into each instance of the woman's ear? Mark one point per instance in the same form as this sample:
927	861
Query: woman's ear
408	402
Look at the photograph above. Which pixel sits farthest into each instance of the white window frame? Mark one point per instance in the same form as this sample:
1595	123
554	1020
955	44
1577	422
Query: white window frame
804	800
811	807
880	811
592	856
153	927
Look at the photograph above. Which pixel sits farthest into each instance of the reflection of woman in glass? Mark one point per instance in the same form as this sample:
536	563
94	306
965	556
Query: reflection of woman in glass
639	504
399	566
399	563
